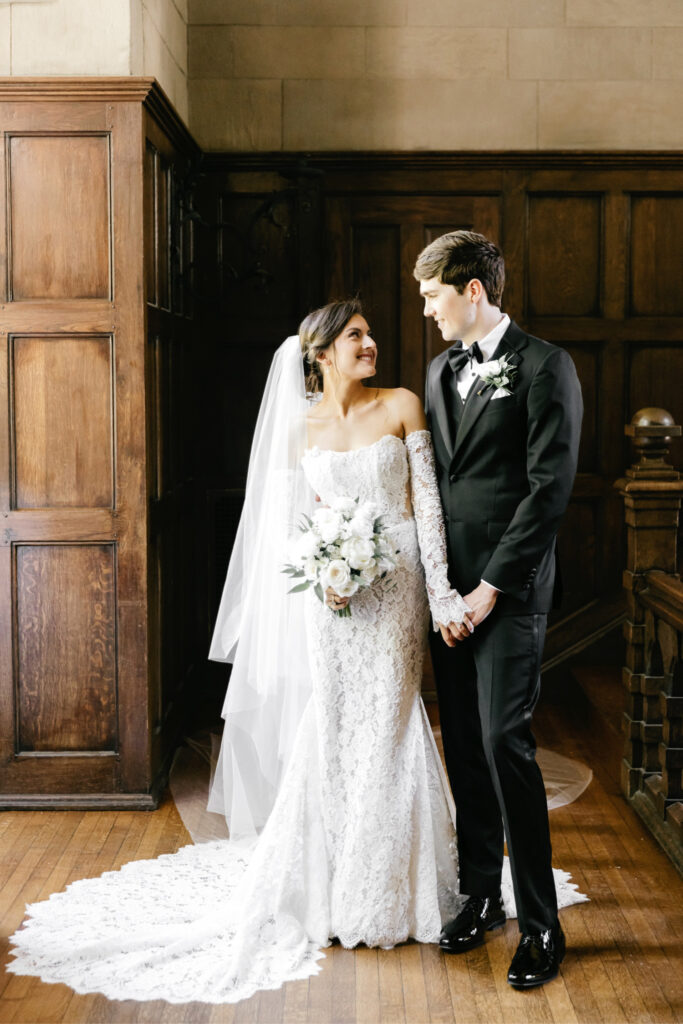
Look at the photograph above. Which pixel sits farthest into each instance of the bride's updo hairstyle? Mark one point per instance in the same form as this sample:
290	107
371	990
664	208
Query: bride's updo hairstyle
318	331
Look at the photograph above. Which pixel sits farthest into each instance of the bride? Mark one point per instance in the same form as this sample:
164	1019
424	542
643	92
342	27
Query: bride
340	817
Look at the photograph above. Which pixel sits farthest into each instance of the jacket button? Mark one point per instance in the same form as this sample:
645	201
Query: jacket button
526	586
453	477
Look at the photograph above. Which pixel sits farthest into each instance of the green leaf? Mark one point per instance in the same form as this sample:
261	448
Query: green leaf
319	593
299	587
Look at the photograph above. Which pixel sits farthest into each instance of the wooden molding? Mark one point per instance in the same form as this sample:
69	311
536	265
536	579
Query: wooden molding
378	160
127	89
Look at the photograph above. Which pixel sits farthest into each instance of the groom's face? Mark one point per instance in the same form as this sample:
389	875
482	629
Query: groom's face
454	313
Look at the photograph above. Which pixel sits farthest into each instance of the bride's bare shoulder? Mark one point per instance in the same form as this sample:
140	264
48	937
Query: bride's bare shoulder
401	399
406	407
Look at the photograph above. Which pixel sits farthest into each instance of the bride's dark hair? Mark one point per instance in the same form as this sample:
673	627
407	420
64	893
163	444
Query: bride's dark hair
318	330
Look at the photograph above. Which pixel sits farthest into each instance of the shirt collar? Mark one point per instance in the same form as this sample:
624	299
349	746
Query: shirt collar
489	343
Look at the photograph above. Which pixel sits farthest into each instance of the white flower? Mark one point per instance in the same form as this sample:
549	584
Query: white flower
370	573
311	567
359	552
328	523
497	373
345	506
347	589
336	575
363	524
306	546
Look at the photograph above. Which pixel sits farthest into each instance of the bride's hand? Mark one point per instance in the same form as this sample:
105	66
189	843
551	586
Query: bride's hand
446	634
334	601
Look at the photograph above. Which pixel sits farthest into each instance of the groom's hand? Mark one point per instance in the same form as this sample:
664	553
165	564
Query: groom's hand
482	601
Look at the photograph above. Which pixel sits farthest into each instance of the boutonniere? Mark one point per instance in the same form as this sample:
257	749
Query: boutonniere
497	373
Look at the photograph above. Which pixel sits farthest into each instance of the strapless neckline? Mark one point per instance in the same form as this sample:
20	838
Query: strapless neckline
315	449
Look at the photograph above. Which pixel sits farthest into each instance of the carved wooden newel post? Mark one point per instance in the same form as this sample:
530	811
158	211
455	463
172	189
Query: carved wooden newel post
652	766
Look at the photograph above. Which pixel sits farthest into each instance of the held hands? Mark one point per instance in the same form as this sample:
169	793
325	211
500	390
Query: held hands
456	630
482	601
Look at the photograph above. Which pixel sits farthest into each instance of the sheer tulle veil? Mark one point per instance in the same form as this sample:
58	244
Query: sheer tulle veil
260	628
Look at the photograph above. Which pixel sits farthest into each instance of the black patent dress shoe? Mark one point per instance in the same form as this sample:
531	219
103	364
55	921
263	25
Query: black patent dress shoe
480	914
538	958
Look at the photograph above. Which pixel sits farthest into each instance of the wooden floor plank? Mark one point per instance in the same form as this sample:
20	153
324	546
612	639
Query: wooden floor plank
343	984
296	1002
413	982
367	986
436	985
320	991
391	1002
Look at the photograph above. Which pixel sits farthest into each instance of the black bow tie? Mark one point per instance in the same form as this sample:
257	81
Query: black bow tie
459	356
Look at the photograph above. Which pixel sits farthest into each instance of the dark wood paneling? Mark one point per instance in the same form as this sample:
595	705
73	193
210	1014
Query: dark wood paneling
62	422
376	278
588	359
59	217
564	255
656	370
656	255
66	647
578	543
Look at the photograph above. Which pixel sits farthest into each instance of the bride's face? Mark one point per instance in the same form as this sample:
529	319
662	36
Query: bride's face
353	353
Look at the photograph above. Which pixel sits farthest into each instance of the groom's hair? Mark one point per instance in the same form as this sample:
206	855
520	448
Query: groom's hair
460	256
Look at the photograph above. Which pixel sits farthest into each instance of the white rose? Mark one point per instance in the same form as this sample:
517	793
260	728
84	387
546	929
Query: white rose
345	506
359	552
347	589
307	545
336	575
370	573
328	523
311	567
362	525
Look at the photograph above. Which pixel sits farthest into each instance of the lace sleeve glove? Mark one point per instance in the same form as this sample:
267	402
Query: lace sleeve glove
446	604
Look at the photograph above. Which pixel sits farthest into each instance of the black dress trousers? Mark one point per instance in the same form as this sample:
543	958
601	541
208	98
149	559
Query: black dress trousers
488	686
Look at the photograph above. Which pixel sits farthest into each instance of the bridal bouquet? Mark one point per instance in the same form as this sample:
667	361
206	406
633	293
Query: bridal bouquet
343	546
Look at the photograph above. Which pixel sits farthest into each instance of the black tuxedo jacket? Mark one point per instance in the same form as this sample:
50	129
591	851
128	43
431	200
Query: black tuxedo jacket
507	474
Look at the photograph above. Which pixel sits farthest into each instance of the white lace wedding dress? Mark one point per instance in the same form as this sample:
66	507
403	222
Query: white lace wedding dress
360	844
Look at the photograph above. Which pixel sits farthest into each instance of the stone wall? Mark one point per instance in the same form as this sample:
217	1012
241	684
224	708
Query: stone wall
159	47
436	74
259	75
98	37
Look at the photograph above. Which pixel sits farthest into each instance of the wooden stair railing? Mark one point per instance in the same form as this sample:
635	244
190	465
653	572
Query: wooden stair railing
652	766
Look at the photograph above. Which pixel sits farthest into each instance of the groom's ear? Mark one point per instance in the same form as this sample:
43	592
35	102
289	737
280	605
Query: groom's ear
476	289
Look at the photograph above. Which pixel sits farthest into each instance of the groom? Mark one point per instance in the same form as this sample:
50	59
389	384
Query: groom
506	438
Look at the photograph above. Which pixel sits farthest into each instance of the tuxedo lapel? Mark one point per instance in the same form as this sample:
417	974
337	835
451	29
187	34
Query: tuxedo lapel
438	404
481	394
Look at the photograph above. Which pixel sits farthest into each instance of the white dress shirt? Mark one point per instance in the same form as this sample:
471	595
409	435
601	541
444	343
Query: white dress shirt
488	345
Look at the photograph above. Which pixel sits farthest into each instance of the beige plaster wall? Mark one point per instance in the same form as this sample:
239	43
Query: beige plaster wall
436	74
98	37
